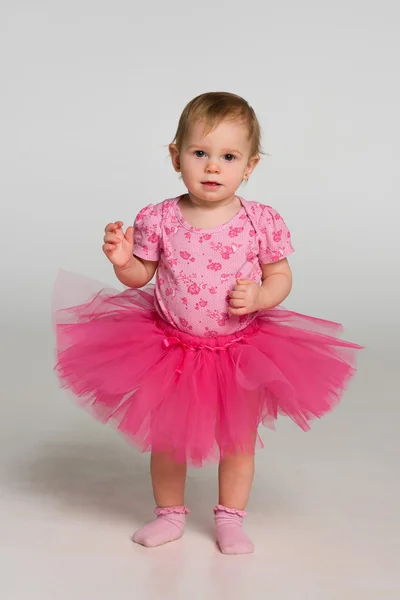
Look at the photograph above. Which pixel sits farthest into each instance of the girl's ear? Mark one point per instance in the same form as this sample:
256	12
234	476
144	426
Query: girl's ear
174	154
251	165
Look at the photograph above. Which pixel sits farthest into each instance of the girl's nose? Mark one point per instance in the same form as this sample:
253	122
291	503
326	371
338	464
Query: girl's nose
212	167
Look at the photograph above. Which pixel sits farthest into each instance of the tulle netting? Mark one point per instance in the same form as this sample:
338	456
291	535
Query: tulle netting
197	399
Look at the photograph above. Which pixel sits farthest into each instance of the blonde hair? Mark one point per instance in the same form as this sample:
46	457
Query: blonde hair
215	107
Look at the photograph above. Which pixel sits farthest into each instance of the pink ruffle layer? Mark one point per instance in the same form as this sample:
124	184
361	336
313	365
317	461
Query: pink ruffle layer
197	399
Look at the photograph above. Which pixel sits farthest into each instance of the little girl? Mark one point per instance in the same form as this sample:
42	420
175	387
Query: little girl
190	367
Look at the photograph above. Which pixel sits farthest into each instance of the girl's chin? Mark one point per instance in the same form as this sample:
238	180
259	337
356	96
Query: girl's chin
211	195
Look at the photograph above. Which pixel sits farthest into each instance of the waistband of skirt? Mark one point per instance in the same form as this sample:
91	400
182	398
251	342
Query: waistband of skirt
217	343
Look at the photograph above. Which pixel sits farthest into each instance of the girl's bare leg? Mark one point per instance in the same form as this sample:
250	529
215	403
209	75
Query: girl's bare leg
235	479
168	478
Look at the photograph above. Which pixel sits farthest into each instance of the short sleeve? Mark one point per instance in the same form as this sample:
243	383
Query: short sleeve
274	237
147	233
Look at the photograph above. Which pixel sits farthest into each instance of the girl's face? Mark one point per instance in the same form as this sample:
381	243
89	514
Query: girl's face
214	165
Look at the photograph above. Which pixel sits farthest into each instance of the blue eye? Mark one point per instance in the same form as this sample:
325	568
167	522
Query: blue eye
199	153
229	157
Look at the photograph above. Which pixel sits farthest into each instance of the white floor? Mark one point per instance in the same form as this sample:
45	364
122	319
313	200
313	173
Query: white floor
324	512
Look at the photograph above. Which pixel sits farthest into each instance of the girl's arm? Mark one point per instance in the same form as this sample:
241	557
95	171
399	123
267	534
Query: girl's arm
276	283
248	296
137	272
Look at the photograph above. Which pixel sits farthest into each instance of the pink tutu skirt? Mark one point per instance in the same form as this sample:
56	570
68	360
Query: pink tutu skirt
197	399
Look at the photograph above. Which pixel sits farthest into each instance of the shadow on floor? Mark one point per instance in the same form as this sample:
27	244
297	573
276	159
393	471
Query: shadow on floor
105	478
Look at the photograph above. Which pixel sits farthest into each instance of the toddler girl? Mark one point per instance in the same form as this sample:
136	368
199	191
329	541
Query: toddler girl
190	367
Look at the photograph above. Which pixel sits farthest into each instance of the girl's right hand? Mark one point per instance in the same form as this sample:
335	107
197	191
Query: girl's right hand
118	246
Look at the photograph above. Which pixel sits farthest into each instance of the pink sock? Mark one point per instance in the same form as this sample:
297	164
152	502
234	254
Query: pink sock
231	538
168	527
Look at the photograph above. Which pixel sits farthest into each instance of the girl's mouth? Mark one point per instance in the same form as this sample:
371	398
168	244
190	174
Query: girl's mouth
211	184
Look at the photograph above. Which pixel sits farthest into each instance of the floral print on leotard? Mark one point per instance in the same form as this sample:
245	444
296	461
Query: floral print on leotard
197	268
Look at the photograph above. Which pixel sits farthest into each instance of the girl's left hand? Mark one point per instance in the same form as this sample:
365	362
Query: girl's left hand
245	298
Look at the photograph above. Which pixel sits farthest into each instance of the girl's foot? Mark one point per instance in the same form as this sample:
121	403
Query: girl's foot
231	538
168	526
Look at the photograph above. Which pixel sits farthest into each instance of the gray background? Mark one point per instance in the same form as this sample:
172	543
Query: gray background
90	97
